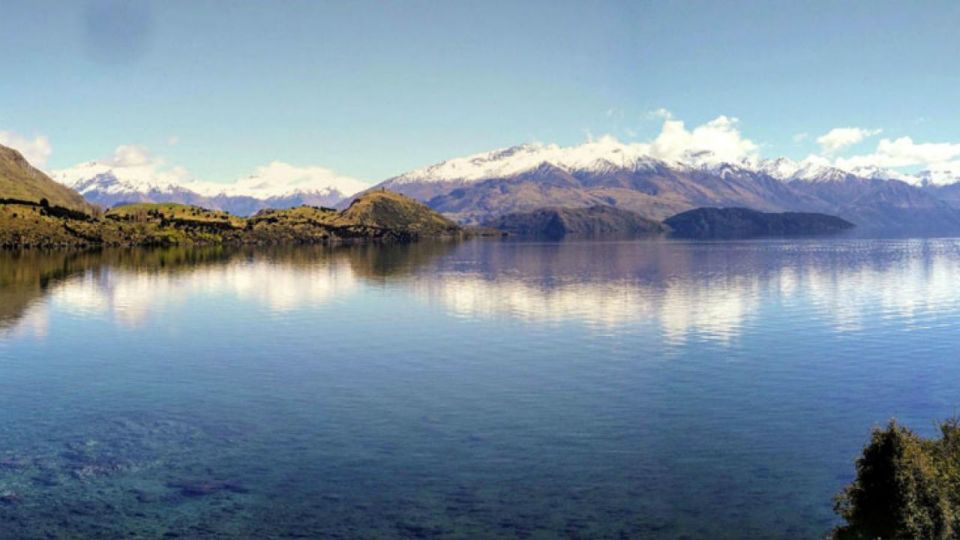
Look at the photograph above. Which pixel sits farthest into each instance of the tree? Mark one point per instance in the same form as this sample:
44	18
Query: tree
902	489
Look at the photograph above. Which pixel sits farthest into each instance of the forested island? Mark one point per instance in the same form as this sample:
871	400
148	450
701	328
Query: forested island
747	223
597	220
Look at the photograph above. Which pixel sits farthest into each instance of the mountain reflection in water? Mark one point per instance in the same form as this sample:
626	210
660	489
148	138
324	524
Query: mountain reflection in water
488	388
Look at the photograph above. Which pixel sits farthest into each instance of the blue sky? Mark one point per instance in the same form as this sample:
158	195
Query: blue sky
372	89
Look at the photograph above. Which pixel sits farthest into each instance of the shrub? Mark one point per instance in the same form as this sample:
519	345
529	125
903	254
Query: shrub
905	487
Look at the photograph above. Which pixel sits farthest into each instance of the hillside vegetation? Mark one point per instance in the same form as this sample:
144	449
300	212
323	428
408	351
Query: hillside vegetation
20	181
377	216
596	220
746	223
389	210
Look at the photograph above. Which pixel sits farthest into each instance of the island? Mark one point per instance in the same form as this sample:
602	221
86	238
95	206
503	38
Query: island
747	223
597	220
36	211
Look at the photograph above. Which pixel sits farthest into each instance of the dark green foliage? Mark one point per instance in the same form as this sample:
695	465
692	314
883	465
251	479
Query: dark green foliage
595	220
379	217
747	223
906	486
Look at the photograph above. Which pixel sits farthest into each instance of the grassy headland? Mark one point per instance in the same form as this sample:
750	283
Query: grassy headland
379	216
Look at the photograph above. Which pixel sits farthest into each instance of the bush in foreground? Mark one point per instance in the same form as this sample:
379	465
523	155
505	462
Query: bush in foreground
906	486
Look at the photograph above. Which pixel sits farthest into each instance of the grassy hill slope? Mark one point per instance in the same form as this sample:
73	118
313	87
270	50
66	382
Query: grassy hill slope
380	217
22	182
389	210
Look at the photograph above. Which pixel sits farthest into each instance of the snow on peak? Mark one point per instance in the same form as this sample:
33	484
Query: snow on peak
811	169
280	179
780	168
940	174
93	175
820	169
133	170
715	142
601	154
874	172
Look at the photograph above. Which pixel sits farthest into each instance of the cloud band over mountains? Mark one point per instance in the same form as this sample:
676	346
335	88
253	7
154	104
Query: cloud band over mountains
719	140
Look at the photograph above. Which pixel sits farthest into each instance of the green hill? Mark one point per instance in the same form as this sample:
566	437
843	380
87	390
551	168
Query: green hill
20	181
389	210
378	217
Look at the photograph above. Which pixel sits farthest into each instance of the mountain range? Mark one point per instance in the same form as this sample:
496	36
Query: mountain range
277	186
479	188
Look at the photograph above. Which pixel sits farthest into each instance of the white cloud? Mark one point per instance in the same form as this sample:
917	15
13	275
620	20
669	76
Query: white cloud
942	173
129	155
173	140
903	152
131	164
718	140
800	137
839	138
139	168
280	178
661	113
36	150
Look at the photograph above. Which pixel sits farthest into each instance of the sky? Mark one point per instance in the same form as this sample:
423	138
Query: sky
218	90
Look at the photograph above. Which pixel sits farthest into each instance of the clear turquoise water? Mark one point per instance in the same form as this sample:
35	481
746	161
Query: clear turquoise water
484	389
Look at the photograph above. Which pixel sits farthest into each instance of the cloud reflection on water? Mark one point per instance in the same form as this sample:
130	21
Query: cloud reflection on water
708	291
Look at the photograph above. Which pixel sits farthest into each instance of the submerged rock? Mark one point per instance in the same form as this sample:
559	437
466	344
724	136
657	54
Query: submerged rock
14	463
9	498
200	488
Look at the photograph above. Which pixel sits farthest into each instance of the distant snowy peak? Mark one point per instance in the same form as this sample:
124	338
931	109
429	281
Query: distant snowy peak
276	180
280	179
94	175
598	156
779	168
811	169
607	154
880	173
940	175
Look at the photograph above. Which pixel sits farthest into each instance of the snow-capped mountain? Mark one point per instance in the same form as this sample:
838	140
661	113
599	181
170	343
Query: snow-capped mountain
277	185
479	187
655	181
940	175
820	169
608	154
597	156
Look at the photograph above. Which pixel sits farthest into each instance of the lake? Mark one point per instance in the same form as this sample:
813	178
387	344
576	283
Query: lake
488	388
